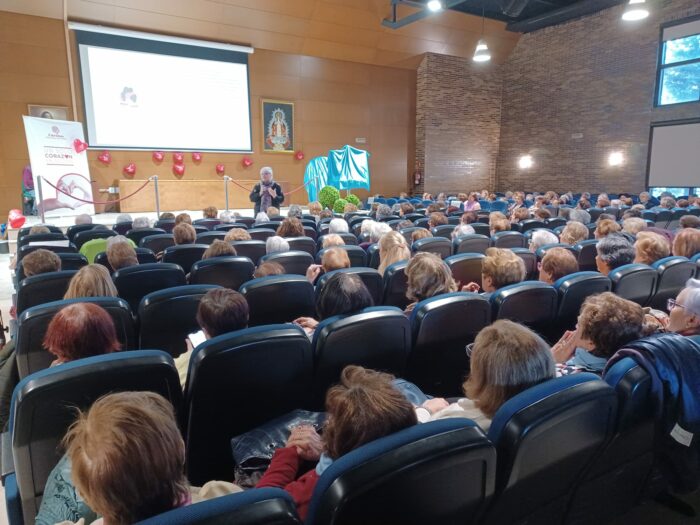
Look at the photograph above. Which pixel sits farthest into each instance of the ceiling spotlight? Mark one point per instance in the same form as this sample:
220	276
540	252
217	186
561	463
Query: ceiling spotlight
435	5
482	53
525	162
616	158
635	10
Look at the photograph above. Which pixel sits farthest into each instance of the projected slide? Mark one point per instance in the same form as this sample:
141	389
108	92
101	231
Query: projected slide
136	99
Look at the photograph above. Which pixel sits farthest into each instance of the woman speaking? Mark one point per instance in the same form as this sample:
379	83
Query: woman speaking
267	192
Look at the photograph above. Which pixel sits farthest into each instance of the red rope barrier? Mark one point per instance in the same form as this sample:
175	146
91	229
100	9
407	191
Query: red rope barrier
98	202
284	193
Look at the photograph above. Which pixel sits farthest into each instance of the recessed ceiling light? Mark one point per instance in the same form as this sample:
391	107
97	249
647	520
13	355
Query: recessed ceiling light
435	5
635	10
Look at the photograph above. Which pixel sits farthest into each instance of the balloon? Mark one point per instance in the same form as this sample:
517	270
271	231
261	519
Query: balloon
79	146
178	170
247	162
16	219
158	156
220	169
196	156
178	158
299	155
105	157
130	169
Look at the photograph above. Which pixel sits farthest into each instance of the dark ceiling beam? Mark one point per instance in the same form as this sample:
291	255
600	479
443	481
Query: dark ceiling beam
557	16
514	8
395	23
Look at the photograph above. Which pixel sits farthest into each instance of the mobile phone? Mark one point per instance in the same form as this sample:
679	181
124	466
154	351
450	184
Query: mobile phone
197	338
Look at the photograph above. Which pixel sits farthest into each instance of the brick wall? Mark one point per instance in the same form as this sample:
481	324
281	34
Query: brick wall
458	114
593	76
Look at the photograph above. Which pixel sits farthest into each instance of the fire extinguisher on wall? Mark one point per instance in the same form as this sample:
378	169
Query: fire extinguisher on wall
417	176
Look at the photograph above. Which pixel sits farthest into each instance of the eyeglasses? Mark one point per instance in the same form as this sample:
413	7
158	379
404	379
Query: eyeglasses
672	303
468	349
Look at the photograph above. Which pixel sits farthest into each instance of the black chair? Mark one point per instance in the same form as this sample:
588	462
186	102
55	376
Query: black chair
310	231
252	507
530	261
26	250
254	250
673	272
594	213
545	438
209	224
279	299
39	238
158	243
573	290
438	245
75	229
81	238
167	316
198	228
69	261
555	222
373	255
395	285
466	267
261	234
230	226
229	271
441	328
444	230
139	233
43	407
210	237
248	221
357	256
481	228
369	276
532	303
663	218
33	323
135	282
25	231
473	243
294	262
674	223
185	255
143	255
348	238
271	364
532	224
167	225
42	288
587	252
509	239
302	244
439	472
634	282
408	233
377	338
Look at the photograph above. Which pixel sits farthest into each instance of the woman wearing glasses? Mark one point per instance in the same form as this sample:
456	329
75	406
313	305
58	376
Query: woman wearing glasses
684	310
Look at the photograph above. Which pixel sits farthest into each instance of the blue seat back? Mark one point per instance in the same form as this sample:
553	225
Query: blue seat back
473	243
634	282
466	267
26	250
444	230
395	284
209	224
293	262
532	303
39	238
168	225
157	243
210	236
184	255
252	249
371	278
673	272
135	282
137	234
587	253
438	245
279	299
42	288
302	244
509	239
229	271
88	235
75	229
573	290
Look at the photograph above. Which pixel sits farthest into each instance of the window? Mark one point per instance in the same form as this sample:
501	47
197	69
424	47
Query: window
679	69
677	192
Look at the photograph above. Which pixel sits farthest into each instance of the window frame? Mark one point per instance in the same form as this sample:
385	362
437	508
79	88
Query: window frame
660	66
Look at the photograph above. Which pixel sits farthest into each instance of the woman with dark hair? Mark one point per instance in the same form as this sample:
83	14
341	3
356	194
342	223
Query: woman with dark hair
290	227
342	294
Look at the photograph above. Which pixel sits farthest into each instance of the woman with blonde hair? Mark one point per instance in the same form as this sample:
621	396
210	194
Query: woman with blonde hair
290	227
392	248
499	268
218	248
650	247
605	228
573	233
333	259
237	234
687	243
92	280
315	209
332	239
427	276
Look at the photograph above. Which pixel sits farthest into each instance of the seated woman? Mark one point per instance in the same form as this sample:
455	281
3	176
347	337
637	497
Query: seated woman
363	407
338	225
184	233
41	261
237	234
210	212
650	247
276	244
573	233
290	227
605	227
333	259
427	276
557	263
613	251
519	215
506	359
220	311
392	248
542	238
462	229
606	323
684	310
268	268
687	243
342	294
80	330
472	203
499	268
420	233
183	218
218	248
331	240
92	280
99	477
261	217
121	253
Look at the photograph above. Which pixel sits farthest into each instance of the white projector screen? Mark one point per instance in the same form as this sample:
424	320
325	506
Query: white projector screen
675	156
149	94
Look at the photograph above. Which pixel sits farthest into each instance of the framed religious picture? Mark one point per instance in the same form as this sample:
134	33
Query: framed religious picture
52	112
278	126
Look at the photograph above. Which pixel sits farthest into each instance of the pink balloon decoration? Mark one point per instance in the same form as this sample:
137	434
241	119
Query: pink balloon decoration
178	170
130	169
220	169
247	162
16	219
299	155
196	156
158	156
105	158
79	145
178	158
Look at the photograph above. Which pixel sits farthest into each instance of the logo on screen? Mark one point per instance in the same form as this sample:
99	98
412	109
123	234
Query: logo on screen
55	133
128	96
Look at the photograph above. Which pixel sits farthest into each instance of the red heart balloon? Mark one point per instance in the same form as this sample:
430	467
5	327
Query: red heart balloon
299	155
16	219
105	157
178	158
196	156
79	146
178	170
220	169
158	156
130	169
246	162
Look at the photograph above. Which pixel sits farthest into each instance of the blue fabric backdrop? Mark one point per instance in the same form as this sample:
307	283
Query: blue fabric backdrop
344	169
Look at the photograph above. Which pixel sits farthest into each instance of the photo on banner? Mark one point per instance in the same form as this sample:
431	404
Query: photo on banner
278	126
57	154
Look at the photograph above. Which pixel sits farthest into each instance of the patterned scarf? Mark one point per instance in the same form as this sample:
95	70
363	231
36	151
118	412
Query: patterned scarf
266	200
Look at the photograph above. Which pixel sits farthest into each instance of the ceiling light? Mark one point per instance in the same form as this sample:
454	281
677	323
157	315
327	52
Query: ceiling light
616	158
434	5
525	162
482	53
635	10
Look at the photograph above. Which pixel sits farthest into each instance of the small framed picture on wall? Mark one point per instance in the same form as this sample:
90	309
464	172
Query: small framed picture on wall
52	112
278	126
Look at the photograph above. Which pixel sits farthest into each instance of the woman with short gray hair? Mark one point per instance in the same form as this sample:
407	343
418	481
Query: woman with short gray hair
613	251
267	192
338	226
684	310
542	238
295	211
276	244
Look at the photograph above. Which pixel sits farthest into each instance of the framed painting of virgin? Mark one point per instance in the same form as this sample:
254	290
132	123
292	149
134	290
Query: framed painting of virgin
278	126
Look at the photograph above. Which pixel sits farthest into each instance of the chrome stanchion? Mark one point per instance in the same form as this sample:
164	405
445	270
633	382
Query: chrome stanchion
226	180
41	199
154	178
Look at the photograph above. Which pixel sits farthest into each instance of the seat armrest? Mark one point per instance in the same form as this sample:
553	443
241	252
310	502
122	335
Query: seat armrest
7	462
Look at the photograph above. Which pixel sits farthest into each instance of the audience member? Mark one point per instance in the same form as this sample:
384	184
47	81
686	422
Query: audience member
557	263
276	244
605	227
406	209
268	268
184	234
92	280
469	217
338	225
261	217
291	227
650	247
462	229
210	212
295	211
273	211
633	225
315	209
573	233
383	211
333	259
581	216
684	310
687	243
427	276
83	218
40	261
332	239
519	215
125	217
379	229
689	221
542	214
140	222
120	253
542	238
499	268
218	248
392	248
237	234
472	203
613	251
420	233
183	217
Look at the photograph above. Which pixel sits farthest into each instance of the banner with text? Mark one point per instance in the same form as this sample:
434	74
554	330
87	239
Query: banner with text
57	155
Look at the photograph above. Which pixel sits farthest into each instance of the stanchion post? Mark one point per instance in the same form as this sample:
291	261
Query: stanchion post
226	179
154	178
41	199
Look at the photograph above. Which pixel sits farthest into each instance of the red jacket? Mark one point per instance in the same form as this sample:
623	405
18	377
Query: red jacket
282	473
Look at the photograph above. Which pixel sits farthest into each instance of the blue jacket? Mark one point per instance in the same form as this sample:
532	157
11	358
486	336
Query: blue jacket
673	362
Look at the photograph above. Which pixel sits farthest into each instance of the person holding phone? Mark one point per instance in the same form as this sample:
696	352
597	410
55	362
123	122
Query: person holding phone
267	192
